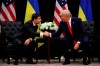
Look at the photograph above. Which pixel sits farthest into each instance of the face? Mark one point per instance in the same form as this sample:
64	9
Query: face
64	18
38	20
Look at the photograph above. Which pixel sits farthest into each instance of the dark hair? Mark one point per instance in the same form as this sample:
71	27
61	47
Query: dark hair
35	16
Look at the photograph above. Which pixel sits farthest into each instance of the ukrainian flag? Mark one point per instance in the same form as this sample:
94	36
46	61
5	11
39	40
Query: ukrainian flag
85	10
31	8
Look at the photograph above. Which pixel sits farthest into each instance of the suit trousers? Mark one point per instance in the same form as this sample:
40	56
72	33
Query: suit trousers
30	50
68	46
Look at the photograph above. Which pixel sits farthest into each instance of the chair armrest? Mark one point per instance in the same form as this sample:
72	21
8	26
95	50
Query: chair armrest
17	35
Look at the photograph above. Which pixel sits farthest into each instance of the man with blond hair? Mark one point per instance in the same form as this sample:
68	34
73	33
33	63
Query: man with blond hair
75	36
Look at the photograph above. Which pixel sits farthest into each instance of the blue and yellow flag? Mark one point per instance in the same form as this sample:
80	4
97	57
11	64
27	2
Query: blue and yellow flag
85	10
31	8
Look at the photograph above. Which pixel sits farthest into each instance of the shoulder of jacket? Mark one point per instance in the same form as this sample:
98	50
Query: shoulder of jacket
76	18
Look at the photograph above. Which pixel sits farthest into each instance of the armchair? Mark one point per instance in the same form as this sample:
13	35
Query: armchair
10	39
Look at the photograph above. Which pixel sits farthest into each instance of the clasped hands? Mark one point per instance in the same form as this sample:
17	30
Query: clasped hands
46	34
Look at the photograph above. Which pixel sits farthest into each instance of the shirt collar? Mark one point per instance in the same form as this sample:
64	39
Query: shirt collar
34	24
69	20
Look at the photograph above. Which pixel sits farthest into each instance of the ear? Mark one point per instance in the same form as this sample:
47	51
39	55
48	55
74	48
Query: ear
34	20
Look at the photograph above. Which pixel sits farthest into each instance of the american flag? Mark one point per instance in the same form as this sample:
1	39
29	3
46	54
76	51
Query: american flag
7	12
60	5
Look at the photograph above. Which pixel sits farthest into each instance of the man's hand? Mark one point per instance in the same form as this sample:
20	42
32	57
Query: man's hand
47	34
27	41
76	46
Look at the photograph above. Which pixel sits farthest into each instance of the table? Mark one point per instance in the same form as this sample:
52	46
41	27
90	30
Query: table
48	41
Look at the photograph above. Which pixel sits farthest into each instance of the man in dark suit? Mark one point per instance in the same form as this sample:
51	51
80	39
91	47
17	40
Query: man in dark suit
29	33
74	36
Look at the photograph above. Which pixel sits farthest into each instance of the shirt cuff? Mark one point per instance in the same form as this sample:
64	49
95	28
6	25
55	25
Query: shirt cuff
78	42
41	33
31	39
50	35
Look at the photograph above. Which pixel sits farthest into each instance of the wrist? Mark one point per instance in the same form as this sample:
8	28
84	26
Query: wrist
41	34
50	35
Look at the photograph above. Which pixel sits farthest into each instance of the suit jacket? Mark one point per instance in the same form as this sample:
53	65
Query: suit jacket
77	30
29	31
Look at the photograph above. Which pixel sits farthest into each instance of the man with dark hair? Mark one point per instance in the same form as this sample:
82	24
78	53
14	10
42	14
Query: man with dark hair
29	33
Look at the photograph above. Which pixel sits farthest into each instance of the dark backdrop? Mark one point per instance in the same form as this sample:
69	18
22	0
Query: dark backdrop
47	10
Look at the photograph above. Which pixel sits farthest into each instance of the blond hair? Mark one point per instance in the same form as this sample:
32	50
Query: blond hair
65	12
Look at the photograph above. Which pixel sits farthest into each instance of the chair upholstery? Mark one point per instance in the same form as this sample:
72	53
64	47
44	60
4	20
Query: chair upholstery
89	27
10	34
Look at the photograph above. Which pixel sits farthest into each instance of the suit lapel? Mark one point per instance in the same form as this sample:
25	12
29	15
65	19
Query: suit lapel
33	27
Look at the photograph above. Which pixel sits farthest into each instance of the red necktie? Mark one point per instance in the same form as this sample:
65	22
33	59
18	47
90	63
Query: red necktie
70	29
